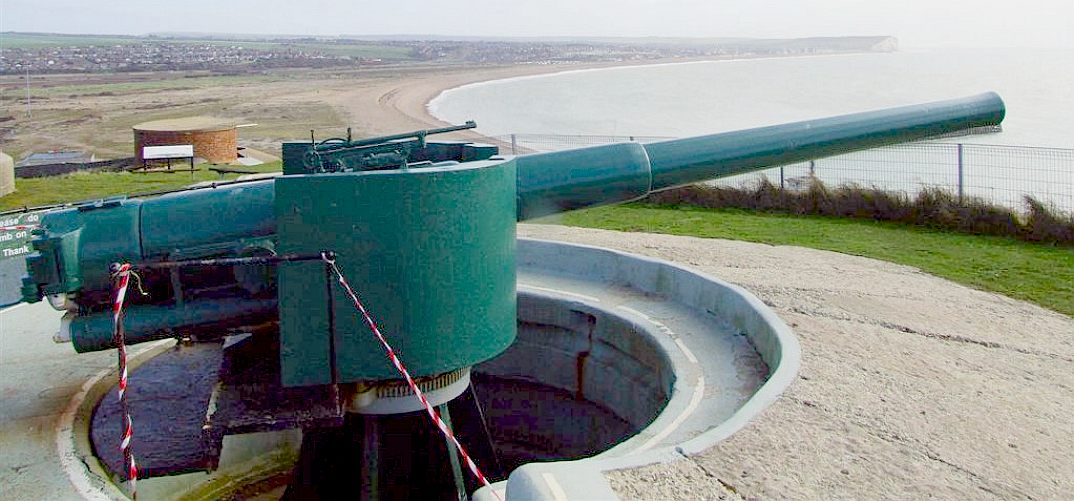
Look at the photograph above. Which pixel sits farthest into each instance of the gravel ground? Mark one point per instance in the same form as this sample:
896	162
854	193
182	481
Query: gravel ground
911	386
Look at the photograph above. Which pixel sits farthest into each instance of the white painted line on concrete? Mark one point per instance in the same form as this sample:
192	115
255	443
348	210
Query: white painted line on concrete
686	351
14	306
76	470
642	315
699	391
563	292
667	330
695	400
558	494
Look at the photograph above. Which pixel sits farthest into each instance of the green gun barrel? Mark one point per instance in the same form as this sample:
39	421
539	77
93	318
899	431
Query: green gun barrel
573	179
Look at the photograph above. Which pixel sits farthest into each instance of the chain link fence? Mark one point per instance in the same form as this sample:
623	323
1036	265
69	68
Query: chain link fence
1002	175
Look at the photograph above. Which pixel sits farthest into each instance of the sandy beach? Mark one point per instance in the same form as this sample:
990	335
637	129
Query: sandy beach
389	105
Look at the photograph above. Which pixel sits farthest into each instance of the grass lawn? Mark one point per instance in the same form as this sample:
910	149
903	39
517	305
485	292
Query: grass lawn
39	191
1037	273
354	48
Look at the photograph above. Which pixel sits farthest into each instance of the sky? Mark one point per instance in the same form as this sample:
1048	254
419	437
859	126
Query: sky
917	23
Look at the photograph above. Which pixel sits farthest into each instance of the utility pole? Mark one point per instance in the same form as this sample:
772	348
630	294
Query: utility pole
27	91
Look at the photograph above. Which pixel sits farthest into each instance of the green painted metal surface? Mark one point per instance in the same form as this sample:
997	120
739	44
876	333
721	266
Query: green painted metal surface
365	156
573	179
292	154
685	161
143	323
81	243
431	252
198	218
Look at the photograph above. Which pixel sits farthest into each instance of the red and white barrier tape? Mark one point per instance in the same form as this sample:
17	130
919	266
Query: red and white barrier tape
20	227
435	416
121	273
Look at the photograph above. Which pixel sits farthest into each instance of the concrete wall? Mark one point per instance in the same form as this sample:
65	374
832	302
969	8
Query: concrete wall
7	174
216	146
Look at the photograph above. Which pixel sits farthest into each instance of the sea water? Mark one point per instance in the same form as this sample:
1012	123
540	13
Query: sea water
684	99
714	96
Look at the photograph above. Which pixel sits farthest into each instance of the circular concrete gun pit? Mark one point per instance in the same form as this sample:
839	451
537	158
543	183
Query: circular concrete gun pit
620	361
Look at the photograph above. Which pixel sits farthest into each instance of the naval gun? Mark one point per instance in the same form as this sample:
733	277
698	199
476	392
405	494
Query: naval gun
425	230
430	241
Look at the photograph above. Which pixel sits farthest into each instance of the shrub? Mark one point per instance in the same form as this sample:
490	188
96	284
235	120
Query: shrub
1045	224
931	207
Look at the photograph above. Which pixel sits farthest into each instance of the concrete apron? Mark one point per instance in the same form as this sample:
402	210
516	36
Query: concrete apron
713	352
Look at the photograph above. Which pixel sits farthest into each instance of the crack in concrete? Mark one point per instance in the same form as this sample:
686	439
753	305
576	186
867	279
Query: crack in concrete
954	338
963	339
729	489
797	291
974	475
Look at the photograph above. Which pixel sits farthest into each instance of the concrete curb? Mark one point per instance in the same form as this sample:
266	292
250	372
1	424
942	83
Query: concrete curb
73	430
772	338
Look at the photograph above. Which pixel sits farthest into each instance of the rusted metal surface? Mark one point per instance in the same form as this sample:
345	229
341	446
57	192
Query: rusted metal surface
184	401
168	396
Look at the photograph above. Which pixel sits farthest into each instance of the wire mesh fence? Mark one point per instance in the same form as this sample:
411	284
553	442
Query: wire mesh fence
1002	175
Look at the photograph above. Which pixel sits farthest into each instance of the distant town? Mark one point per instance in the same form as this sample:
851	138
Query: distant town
47	53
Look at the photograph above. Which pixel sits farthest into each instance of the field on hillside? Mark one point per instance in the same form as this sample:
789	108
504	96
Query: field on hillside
97	116
39	40
343	47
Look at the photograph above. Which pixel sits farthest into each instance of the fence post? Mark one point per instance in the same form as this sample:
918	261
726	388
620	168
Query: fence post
514	145
960	174
781	187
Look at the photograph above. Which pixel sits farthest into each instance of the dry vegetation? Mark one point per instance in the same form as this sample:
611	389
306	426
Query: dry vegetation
932	208
97	116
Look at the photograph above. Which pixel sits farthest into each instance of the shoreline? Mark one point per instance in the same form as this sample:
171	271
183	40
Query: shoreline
1026	126
393	105
632	65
